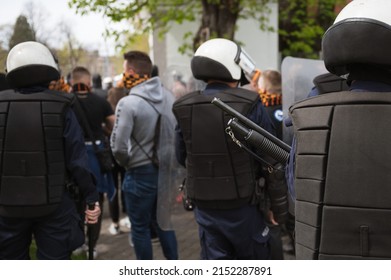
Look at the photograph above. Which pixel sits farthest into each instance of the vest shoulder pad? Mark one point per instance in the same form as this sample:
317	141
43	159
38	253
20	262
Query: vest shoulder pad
344	97
241	93
186	99
47	95
328	82
226	95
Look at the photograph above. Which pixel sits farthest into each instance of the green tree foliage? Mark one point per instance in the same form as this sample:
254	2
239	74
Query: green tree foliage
3	47
217	17
302	24
22	32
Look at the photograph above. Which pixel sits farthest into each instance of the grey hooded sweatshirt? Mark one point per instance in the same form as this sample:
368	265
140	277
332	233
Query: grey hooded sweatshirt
135	118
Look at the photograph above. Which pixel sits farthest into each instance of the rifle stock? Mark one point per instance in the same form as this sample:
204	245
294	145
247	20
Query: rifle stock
270	146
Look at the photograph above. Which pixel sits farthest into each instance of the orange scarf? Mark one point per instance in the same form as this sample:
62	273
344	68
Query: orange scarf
60	85
130	81
270	99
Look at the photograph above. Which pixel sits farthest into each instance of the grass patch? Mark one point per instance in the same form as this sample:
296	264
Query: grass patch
33	253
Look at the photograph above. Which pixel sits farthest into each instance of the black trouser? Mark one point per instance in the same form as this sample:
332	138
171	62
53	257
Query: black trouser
114	206
55	235
276	242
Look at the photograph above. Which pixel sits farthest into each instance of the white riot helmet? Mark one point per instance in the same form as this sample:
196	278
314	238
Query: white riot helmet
221	59
31	63
360	35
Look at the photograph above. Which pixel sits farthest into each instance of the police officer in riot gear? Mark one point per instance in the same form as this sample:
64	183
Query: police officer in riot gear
43	157
222	178
342	166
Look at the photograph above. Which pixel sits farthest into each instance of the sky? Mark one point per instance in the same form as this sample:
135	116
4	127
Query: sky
88	30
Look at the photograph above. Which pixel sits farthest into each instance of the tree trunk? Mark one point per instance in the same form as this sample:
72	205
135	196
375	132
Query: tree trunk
218	21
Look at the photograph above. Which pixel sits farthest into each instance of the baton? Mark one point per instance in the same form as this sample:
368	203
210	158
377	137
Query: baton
91	206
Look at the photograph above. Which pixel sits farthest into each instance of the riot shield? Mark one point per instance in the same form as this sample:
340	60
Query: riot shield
297	81
171	173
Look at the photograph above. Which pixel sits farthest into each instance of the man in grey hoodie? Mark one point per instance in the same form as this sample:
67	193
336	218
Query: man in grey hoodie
132	142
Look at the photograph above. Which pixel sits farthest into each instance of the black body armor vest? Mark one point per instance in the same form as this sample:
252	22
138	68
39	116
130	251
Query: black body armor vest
220	175
343	176
32	163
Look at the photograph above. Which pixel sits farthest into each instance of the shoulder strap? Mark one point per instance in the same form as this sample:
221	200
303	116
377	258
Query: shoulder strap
148	101
134	138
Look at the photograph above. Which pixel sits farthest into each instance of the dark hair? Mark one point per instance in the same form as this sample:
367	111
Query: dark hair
139	61
155	71
96	81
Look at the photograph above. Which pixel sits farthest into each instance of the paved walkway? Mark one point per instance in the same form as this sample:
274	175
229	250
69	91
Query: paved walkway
116	247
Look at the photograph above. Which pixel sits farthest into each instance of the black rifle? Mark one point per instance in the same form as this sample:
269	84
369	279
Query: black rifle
268	146
255	135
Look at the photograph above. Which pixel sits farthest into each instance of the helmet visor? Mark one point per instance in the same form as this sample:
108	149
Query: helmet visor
246	63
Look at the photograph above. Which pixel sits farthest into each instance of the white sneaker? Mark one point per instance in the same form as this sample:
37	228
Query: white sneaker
114	229
125	222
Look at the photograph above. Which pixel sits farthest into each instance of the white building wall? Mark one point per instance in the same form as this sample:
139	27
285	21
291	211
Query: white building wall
262	46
